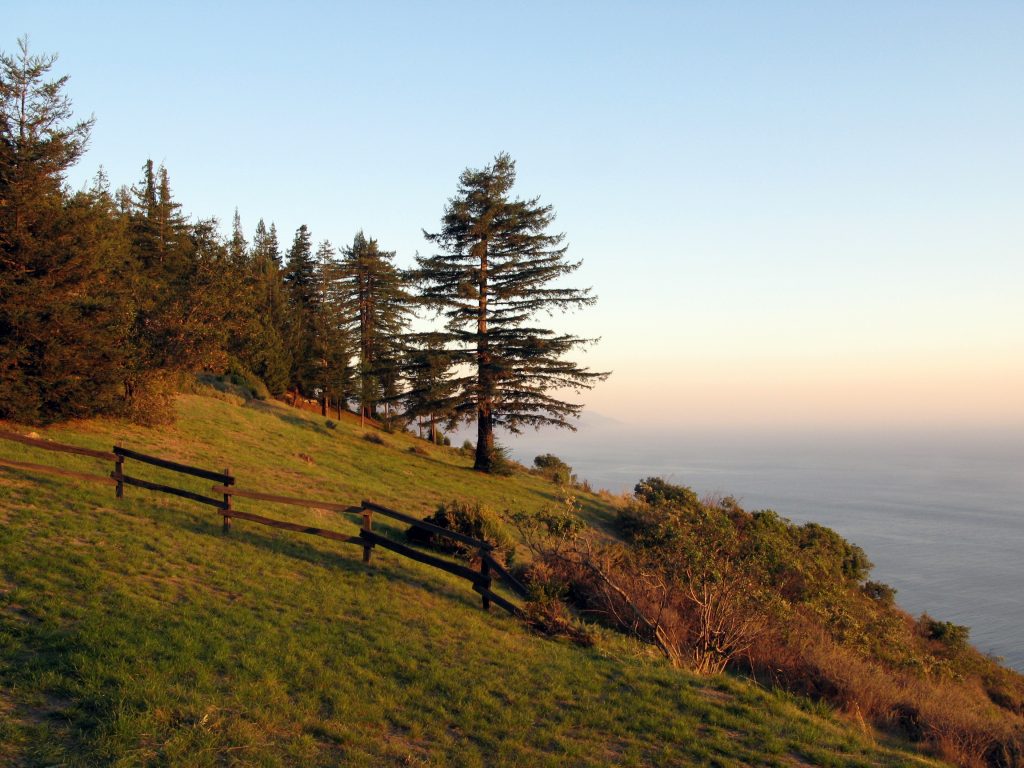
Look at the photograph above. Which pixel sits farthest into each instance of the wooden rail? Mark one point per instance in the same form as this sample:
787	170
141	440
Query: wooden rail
56	471
297	527
51	446
312	504
481	580
422	557
224	479
515	584
167	489
423	525
498	600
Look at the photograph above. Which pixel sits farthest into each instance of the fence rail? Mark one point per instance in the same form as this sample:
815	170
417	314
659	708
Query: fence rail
297	527
482	580
46	469
185	469
310	503
51	446
425	526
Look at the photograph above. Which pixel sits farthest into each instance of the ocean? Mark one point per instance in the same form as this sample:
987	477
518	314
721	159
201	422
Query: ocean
940	514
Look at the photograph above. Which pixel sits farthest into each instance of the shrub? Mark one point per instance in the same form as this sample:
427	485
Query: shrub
373	437
467	449
554	469
952	636
469	519
330	424
550	617
501	461
881	593
241	376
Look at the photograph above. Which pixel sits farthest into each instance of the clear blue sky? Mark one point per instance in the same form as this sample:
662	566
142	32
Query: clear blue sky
793	213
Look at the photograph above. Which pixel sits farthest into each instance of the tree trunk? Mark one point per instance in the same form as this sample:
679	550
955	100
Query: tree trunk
484	438
485	384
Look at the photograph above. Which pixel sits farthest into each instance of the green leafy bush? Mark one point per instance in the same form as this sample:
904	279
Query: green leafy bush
952	636
554	469
470	519
241	376
501	461
879	592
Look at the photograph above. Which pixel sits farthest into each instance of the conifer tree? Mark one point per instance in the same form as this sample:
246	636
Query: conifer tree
300	279
497	269
430	391
60	330
249	341
238	246
269	358
331	347
379	306
179	291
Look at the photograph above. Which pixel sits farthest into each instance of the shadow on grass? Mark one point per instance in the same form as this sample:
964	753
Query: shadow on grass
347	558
292	419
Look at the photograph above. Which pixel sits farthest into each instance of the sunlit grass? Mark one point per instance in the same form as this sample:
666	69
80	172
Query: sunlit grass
132	632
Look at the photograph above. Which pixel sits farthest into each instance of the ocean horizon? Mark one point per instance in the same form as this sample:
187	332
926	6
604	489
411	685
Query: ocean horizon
940	513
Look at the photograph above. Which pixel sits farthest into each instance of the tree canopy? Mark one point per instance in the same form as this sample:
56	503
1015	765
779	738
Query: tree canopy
109	299
497	269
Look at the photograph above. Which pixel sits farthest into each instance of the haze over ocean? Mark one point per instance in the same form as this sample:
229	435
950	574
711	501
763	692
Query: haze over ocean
940	514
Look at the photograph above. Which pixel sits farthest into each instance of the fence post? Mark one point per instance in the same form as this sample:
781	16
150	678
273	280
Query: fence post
227	507
367	526
119	474
485	571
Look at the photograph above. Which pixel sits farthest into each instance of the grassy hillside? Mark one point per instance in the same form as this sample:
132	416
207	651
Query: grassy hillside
132	632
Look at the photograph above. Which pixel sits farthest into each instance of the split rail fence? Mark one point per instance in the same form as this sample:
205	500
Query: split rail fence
225	492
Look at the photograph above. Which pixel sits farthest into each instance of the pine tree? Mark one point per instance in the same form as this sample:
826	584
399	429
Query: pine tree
379	306
60	322
498	268
331	347
269	358
300	279
238	246
180	292
430	391
248	338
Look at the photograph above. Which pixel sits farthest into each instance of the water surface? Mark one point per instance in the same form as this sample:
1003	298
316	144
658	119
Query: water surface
941	515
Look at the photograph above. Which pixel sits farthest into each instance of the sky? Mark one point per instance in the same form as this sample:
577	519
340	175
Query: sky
794	214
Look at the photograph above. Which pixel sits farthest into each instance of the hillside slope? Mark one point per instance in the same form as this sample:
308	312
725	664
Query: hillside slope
132	632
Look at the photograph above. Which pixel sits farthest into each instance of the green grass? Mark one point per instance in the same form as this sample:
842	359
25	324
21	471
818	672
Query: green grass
132	632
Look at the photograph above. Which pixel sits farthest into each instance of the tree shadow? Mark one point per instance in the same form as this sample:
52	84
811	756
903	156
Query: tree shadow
288	418
347	558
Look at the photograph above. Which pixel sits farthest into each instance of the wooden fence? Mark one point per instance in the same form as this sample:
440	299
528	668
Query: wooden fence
225	492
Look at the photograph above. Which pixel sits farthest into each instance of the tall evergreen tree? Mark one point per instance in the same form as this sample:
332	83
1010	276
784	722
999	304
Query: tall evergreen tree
332	348
300	279
497	269
238	246
430	391
269	357
180	293
379	306
60	329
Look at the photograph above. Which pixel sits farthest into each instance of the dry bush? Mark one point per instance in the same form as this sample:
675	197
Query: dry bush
702	617
954	719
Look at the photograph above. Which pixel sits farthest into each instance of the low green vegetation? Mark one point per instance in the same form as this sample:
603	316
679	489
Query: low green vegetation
716	587
133	632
